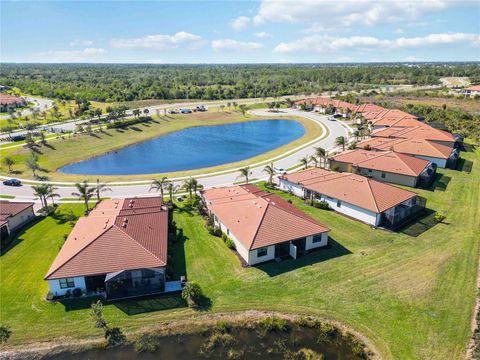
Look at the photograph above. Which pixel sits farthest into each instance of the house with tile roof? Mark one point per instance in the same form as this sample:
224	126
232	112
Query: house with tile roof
262	225
14	215
8	102
321	104
421	131
119	250
472	90
359	197
442	156
388	166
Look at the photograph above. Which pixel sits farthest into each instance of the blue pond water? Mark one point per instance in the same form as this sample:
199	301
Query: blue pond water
193	148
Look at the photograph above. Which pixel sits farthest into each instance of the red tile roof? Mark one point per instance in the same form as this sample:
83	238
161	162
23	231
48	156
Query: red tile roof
473	88
415	147
366	108
417	132
388	161
354	189
118	234
321	101
11	208
7	99
257	218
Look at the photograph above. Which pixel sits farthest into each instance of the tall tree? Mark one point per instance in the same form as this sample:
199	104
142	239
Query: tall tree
101	187
341	141
41	191
270	171
245	172
8	162
32	164
159	185
84	192
321	153
304	162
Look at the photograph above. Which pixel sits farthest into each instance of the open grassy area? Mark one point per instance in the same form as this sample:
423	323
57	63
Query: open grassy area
412	296
78	147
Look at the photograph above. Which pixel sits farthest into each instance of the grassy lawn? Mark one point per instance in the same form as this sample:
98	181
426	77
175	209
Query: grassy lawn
412	296
75	148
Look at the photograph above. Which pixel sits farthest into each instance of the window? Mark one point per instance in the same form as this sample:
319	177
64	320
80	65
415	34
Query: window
317	238
369	170
262	252
383	175
339	203
67	283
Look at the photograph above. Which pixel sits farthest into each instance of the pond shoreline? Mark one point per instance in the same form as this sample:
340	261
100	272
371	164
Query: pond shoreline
180	327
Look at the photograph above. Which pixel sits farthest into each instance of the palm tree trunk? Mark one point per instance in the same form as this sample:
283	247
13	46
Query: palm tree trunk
86	205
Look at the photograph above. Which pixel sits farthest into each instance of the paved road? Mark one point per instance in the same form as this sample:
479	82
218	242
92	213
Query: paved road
41	104
327	140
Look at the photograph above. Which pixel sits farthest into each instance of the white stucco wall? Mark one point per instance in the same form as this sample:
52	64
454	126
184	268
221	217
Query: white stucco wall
238	245
353	211
54	286
288	186
254	259
441	163
309	244
20	219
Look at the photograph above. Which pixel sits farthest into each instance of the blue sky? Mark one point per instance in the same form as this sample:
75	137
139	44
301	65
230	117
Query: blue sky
240	31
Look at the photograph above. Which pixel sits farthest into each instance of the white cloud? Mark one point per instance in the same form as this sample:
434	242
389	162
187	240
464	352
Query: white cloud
347	12
158	41
234	45
77	42
87	54
399	31
240	23
263	35
325	43
410	58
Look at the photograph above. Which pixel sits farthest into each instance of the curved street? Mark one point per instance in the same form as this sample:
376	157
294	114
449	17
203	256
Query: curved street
332	130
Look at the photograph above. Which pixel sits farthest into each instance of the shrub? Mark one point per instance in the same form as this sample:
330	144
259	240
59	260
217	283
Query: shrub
192	292
439	217
114	337
308	322
218	339
271	324
321	205
326	332
222	327
230	244
126	123
5	333
147	342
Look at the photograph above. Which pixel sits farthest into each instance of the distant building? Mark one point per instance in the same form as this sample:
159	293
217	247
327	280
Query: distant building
8	102
472	90
262	225
389	166
441	155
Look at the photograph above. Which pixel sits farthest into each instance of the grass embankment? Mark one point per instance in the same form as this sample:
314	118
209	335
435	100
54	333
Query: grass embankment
412	296
79	147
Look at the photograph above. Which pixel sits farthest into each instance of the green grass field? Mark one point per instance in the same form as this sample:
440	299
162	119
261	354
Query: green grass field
72	149
411	296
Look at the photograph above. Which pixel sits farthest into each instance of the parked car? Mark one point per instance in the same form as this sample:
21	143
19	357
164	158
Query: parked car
280	171
12	182
185	111
172	111
201	108
331	118
17	137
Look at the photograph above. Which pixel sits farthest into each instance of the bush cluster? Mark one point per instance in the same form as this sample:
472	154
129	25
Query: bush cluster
125	123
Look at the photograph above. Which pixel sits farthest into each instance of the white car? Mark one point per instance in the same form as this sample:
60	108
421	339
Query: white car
279	171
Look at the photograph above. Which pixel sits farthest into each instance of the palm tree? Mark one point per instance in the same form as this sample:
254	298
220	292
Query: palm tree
304	162
172	189
41	191
159	185
245	172
341	141
356	133
85	193
51	194
100	188
270	171
188	185
195	185
321	153
313	159
146	111
136	112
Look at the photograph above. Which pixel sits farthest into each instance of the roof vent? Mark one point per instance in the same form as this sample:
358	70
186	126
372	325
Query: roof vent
130	204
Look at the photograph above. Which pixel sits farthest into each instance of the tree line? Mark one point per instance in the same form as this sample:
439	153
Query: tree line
128	82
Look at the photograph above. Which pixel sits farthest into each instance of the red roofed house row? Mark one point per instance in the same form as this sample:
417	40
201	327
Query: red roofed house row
14	215
262	225
419	132
442	156
8	102
119	250
356	196
321	104
389	166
